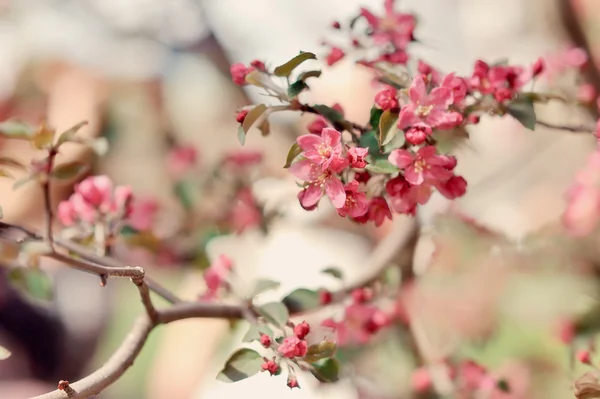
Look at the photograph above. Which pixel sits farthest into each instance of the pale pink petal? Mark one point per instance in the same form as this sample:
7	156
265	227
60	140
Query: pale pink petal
440	97
331	137
401	158
388	5
417	91
413	177
335	191
407	117
305	170
312	195
371	19
309	141
361	205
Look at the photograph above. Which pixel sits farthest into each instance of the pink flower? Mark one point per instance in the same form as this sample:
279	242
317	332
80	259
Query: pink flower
265	340
325	150
85	212
123	199
360	322
216	276
429	73
317	125
394	27
96	191
429	109
583	210
181	159
584	356
454	187
292	347
379	211
356	203
270	366
258	64
424	166
458	86
292	382
472	375
66	214
143	212
319	180
418	133
241	116
501	81
386	99
244	213
301	330
587	93
239	72
538	67
421	380
334	56
356	157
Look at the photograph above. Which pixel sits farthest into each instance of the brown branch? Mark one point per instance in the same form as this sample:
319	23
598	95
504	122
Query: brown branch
340	125
573	129
133	272
47	193
147	301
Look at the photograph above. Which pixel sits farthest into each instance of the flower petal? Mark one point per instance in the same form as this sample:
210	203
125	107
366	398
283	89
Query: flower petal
309	141
305	170
440	97
401	158
331	137
413	177
417	91
312	195
335	191
407	117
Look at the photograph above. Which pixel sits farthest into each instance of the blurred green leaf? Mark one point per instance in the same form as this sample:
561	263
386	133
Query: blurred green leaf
522	110
335	272
296	88
301	300
264	285
382	166
68	170
274	312
293	153
254	332
242	364
253	115
309	74
329	113
320	351
69	135
374	117
326	370
287	68
16	130
43	138
184	191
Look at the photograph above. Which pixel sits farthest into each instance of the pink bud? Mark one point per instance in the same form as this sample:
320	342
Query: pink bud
66	213
421	380
85	212
302	330
362	295
334	56
265	340
584	357
356	157
95	190
325	297
239	72
293	347
566	331
292	382
241	116
473	119
317	125
259	65
538	67
417	133
271	367
453	188
386	99
336	25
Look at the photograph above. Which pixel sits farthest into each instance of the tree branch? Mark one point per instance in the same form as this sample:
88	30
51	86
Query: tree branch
573	129
133	272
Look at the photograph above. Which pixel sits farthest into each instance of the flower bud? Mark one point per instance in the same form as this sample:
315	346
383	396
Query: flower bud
265	340
302	330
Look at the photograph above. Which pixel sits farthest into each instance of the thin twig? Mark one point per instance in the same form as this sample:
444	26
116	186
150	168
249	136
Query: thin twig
146	300
133	272
573	129
47	193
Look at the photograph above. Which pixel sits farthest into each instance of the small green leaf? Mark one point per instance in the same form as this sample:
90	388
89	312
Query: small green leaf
301	300
397	141
309	74
69	135
16	130
287	68
293	153
387	127
334	271
522	109
274	312
369	140
242	364
296	88
11	162
329	113
264	285
375	116
43	138
4	353
253	115
184	191
320	351
241	135
382	166
68	170
255	331
326	370
39	285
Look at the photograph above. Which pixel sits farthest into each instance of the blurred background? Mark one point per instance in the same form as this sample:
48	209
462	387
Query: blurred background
151	74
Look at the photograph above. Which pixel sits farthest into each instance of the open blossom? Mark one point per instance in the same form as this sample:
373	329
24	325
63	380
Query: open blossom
325	150
335	55
423	166
379	211
393	27
318	181
428	108
502	81
239	72
356	157
386	99
356	203
458	87
216	276
96	191
181	159
293	347
453	188
360	323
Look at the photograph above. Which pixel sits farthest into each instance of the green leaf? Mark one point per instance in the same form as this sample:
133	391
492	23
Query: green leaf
16	130
334	271
382	166
293	153
387	127
4	353
253	115
369	140
326	370
301	300
255	331
274	312
264	285
242	364
184	191
375	116
43	138
320	351
241	135
287	68
68	170
309	74
12	163
39	285
296	88
329	113
397	141
69	135
522	109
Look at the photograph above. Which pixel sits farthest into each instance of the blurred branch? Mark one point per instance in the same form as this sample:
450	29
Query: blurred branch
572	129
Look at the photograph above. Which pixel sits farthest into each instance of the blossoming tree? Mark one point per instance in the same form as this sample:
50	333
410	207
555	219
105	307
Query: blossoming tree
369	173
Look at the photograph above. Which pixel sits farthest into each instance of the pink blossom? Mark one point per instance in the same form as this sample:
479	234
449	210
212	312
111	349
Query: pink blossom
584	356
271	366
421	380
301	330
325	150
424	166
96	191
583	210
239	72
244	213
123	199
356	157
265	340
85	212
317	125
538	67
501	81
360	322
458	86
586	93
454	187
428	108
334	56
216	276
472	375
379	211
293	347
394	27
319	180
181	159
429	73
356	203
66	214
418	133
386	99
143	212
325	297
